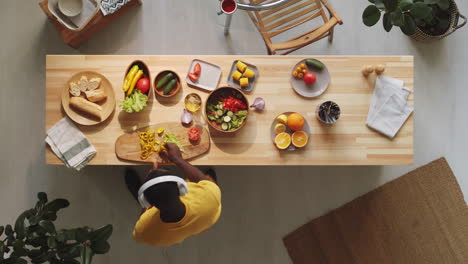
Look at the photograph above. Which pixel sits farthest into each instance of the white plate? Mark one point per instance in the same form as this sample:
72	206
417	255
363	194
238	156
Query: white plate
291	147
314	90
209	77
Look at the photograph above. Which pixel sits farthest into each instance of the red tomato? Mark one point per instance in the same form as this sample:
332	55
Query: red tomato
193	77
310	78
143	85
197	69
194	134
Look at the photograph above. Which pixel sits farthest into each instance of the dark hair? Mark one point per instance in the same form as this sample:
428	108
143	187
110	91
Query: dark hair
163	194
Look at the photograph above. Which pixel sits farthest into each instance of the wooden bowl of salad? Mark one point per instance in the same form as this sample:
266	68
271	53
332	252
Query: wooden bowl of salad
227	109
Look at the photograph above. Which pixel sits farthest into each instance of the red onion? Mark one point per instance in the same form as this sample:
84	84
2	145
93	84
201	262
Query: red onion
258	104
186	117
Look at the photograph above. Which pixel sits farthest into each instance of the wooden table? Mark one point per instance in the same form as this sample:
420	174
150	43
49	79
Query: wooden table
349	142
97	23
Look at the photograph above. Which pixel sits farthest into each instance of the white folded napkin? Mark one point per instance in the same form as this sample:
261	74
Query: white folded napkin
70	144
389	110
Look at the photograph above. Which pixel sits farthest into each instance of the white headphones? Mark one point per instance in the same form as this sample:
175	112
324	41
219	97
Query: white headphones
183	187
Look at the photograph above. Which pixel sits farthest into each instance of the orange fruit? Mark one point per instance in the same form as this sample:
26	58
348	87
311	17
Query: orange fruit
299	139
295	122
283	140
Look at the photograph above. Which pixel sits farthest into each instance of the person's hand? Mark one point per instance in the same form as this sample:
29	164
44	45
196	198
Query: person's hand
172	153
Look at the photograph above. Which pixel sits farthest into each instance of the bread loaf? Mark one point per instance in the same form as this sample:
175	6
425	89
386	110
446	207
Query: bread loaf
84	105
96	95
94	83
83	83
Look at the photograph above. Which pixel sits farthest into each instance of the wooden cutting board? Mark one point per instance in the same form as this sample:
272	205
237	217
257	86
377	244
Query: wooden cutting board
127	146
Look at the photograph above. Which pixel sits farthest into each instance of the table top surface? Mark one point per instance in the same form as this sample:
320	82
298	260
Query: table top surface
348	142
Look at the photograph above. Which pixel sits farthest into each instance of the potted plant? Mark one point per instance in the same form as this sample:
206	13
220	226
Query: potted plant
35	238
423	20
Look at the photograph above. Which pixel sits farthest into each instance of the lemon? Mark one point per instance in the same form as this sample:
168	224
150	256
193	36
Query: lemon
283	119
280	128
283	140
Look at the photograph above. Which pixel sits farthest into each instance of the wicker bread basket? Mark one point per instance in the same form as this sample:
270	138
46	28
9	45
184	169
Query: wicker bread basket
454	20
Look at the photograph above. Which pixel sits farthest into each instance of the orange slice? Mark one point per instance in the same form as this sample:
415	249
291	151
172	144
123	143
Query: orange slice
283	140
299	139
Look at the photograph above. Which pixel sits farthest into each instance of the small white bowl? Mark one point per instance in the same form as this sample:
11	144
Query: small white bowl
70	8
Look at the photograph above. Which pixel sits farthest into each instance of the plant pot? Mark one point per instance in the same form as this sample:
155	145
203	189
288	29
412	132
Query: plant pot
455	16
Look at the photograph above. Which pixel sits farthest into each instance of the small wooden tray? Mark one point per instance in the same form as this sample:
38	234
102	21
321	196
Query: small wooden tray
234	83
127	146
108	105
209	77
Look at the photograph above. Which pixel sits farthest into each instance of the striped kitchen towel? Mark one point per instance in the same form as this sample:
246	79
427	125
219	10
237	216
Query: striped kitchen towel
70	144
110	6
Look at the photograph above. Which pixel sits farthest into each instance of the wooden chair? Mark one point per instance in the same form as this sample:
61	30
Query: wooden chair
273	22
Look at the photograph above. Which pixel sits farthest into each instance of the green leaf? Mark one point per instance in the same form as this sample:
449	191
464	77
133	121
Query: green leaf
2	228
100	247
378	3
2	249
371	15
101	234
21	261
34	253
18	246
390	5
51	242
60	236
409	27
70	261
397	18
82	234
34	220
8	231
42	196
420	10
405	5
86	255
48	226
387	22
40	259
19	225
444	4
56	205
52	216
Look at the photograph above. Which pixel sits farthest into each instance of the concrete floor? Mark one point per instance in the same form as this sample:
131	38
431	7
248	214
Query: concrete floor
260	204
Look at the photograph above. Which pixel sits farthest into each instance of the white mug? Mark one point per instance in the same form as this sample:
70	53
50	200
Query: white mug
70	8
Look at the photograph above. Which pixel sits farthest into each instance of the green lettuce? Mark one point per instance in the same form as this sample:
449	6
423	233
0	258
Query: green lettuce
134	103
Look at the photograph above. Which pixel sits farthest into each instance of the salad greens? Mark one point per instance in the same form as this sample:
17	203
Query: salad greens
134	102
172	138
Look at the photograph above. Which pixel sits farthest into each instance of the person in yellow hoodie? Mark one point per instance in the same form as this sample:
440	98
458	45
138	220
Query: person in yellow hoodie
175	208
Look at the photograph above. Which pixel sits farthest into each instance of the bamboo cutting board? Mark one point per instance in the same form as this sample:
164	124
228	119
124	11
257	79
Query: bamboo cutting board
127	146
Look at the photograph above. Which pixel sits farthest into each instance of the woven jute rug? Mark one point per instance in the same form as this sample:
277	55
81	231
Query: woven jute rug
420	217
